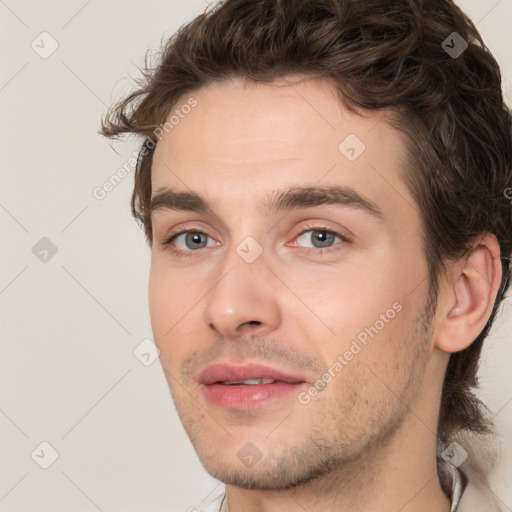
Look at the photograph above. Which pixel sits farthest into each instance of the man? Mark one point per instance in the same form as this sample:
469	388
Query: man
323	187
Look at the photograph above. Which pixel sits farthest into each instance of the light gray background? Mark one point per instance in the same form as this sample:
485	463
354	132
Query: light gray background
69	326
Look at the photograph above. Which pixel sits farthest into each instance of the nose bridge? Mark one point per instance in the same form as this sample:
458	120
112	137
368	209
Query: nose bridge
241	293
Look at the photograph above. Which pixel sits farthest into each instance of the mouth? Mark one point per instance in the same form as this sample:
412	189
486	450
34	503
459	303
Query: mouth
247	374
249	386
249	382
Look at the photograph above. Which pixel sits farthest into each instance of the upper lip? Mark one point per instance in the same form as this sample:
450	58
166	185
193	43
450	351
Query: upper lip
229	372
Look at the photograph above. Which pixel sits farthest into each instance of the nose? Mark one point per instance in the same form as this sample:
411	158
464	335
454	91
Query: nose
243	298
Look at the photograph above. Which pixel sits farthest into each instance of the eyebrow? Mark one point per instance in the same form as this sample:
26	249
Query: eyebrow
293	198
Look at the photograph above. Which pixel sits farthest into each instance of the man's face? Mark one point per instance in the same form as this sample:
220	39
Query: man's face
285	294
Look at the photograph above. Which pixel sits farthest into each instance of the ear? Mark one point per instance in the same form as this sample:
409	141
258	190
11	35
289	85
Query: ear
467	296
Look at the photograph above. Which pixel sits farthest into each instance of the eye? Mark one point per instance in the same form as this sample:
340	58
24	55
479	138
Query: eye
187	242
191	239
321	238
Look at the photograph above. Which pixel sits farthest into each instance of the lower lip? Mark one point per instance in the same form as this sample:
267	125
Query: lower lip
245	397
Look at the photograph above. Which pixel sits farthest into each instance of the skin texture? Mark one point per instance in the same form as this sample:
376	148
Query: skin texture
367	441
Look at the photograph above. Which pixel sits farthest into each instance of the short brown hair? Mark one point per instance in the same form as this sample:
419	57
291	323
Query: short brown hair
378	54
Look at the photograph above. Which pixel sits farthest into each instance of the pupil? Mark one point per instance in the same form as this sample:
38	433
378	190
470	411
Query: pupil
195	238
325	238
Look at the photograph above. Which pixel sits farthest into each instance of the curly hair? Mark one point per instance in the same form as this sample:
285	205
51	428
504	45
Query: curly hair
388	55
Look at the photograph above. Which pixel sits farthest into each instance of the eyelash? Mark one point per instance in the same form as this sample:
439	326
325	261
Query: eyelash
181	253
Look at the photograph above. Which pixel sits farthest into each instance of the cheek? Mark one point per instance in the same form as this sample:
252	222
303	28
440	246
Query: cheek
175	306
166	308
348	300
375	374
372	312
158	299
169	295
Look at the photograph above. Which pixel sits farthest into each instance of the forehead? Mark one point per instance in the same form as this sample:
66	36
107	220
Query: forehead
271	136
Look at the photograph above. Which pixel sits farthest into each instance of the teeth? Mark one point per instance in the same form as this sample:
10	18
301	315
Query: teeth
249	382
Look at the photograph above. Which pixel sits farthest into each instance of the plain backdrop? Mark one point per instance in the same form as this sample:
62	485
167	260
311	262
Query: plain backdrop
74	271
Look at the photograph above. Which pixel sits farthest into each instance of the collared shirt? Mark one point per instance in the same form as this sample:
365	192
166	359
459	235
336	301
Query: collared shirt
453	483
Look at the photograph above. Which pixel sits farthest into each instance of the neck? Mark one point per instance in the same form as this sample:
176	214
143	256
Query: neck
398	475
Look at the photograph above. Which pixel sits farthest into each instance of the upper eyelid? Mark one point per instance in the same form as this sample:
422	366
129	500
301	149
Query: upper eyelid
300	232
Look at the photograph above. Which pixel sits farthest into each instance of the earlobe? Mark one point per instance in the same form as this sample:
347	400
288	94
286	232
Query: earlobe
468	300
